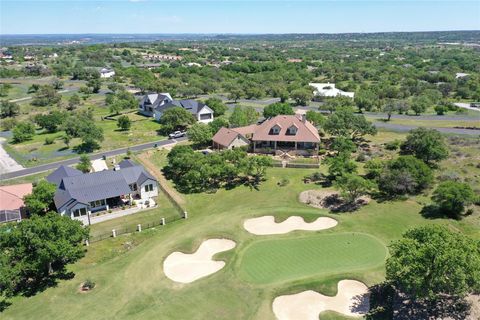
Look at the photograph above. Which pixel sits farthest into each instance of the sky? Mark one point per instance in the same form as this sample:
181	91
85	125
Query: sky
233	16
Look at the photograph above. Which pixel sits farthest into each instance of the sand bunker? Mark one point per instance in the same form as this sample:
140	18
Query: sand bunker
186	267
351	300
267	225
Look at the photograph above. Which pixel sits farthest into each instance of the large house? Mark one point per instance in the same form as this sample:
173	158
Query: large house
155	104
11	201
151	101
329	90
283	133
79	194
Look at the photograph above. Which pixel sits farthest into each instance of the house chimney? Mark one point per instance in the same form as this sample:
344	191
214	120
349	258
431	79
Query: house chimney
304	118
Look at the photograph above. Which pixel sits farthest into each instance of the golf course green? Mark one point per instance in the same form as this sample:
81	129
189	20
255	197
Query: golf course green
279	260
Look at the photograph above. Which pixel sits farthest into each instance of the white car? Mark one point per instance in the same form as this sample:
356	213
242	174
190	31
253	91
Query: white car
177	134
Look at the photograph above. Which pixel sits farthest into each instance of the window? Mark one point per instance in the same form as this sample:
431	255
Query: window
205	116
149	187
133	187
292	131
97	203
275	130
80	212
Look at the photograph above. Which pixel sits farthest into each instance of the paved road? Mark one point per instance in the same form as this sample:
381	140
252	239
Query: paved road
451	117
406	128
111	153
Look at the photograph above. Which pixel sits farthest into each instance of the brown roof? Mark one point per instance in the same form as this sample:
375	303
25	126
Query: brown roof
11	197
246	130
306	132
225	136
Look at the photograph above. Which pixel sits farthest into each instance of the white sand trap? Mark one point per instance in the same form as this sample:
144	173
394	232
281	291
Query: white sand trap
186	267
267	225
351	300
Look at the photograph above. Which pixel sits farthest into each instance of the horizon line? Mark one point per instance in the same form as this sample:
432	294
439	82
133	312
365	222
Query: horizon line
236	33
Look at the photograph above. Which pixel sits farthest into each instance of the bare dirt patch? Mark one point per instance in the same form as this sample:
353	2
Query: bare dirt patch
331	200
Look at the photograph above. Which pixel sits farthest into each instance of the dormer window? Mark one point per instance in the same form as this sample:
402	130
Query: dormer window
291	131
275	130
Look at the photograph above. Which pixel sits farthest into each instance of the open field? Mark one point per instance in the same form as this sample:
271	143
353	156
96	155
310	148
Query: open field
131	283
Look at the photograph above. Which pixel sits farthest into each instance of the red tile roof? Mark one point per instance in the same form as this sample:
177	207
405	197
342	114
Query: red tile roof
11	197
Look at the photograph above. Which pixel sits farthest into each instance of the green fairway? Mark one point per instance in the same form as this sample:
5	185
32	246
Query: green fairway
272	261
131	283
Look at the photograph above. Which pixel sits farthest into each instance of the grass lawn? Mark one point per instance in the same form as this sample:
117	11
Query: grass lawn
130	283
164	210
35	152
272	261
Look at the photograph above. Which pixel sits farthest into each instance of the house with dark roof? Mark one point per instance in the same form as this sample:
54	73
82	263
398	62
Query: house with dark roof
280	134
199	110
151	101
80	194
155	104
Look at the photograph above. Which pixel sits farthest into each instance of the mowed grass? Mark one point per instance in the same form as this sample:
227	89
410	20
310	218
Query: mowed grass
271	261
130	283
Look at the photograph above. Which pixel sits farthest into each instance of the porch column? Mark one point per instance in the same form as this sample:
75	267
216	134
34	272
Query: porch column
254	146
295	145
275	145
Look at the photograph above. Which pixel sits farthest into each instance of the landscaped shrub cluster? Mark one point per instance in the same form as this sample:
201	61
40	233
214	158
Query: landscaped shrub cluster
196	172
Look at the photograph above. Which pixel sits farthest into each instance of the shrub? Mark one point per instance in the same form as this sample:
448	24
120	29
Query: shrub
392	145
9	123
49	140
283	182
23	131
88	285
405	175
451	197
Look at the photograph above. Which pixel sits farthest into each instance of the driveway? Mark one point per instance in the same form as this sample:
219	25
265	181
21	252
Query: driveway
7	163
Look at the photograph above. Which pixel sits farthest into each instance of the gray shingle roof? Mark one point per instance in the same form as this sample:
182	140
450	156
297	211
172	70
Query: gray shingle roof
92	186
154	99
190	105
85	188
62	172
126	163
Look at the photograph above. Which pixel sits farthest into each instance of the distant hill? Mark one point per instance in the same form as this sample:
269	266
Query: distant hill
66	39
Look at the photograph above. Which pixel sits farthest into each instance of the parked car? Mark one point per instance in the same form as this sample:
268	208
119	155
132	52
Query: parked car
177	134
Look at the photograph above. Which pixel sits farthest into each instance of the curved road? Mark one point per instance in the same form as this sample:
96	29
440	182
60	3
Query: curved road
111	153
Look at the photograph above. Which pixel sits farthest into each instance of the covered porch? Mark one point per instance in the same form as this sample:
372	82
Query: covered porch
300	147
